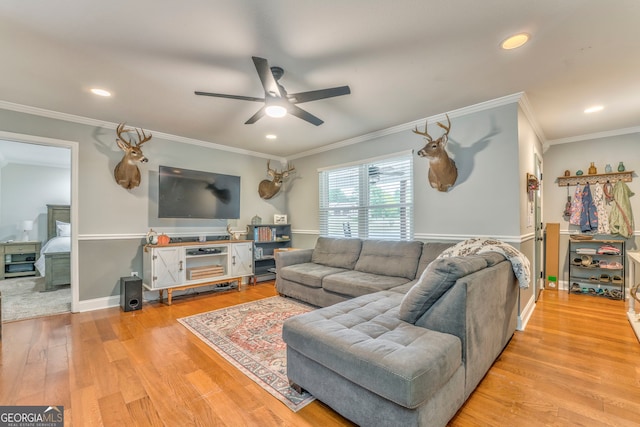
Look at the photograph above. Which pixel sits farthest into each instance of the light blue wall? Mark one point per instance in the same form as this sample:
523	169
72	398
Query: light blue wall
484	201
111	219
579	155
25	191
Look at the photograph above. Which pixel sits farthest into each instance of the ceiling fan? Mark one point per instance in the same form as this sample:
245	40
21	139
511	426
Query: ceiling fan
277	102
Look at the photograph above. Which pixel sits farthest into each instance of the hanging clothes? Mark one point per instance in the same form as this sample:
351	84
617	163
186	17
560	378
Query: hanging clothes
589	213
602	208
576	206
621	217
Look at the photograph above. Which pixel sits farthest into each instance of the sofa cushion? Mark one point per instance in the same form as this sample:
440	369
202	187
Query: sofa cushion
430	251
390	258
363	340
437	279
356	283
308	273
337	252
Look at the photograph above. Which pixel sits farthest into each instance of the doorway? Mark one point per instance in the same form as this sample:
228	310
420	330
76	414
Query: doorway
71	149
539	231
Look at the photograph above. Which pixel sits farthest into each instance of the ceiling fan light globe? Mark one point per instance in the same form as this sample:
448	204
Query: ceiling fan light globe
275	111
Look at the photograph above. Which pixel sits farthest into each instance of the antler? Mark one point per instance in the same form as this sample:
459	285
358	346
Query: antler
425	133
446	128
142	138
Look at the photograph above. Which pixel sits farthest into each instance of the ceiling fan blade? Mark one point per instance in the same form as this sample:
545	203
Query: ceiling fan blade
266	77
304	115
222	95
313	95
257	116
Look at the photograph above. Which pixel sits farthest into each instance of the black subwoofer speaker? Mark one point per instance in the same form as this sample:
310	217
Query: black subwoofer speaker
130	293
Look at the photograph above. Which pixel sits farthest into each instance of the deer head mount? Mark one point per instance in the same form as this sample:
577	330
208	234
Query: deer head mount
442	170
126	172
267	189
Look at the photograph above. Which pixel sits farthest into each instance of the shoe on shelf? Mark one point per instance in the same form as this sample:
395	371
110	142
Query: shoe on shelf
614	265
604	278
616	279
575	288
615	294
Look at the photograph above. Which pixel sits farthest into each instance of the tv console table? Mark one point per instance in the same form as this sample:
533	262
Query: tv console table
185	265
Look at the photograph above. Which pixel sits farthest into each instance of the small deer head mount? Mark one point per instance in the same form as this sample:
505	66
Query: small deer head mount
235	235
267	189
442	170
126	172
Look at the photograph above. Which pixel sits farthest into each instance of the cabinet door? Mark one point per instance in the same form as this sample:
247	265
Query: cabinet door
241	259
168	267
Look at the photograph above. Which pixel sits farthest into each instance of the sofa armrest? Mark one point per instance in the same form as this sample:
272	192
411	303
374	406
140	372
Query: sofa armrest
481	309
299	256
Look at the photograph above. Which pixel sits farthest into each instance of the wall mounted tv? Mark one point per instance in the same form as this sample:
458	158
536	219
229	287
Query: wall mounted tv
185	193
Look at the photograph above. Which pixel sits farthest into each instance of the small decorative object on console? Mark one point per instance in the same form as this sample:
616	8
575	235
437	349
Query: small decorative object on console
152	237
163	239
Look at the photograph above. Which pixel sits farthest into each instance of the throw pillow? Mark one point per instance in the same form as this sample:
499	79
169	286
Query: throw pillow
63	229
437	279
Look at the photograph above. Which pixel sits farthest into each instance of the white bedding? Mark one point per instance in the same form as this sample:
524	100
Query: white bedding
56	244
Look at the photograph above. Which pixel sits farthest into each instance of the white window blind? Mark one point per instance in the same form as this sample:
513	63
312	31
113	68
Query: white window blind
369	200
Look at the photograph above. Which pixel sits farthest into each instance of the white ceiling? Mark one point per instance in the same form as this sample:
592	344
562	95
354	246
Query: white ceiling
404	60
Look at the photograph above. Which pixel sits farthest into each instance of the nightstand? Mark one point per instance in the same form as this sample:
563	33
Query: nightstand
17	259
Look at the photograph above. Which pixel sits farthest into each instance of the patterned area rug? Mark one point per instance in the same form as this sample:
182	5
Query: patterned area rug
249	336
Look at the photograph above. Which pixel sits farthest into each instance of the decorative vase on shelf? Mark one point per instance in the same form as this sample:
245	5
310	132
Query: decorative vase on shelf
592	169
620	167
608	168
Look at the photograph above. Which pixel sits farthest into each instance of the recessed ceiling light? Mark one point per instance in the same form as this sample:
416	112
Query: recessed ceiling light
594	109
515	41
271	136
100	92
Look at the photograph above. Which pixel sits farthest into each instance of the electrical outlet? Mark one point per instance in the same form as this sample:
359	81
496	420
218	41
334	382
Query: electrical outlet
134	273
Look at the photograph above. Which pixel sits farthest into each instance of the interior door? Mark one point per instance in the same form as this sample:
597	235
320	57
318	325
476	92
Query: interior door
539	232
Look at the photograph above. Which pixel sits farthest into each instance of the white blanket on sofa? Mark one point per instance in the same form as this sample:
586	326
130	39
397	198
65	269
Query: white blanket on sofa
478	245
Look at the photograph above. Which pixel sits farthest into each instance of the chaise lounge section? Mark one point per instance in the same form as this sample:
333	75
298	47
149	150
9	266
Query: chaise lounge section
409	354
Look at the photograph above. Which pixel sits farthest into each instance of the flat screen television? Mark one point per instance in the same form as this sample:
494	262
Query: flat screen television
185	193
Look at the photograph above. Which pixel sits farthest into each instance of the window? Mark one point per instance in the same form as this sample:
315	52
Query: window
372	200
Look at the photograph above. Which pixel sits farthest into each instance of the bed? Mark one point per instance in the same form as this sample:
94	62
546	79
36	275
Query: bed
54	261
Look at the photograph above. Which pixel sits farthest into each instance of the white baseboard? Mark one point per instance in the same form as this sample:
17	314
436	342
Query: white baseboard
526	314
99	303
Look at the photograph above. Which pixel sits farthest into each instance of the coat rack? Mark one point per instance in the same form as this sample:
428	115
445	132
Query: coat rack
597	178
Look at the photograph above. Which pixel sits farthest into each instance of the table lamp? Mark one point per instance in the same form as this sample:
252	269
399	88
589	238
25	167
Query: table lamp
27	226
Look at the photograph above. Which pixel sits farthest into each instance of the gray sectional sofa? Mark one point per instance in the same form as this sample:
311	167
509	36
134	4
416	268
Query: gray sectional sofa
404	337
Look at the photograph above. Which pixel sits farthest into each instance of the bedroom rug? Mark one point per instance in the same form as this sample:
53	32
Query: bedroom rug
249	336
22	298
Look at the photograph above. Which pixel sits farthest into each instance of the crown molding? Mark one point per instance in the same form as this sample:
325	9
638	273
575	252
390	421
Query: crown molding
36	111
528	112
597	135
498	102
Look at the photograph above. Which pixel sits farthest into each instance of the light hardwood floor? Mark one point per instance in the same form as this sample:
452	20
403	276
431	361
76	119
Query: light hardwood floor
577	363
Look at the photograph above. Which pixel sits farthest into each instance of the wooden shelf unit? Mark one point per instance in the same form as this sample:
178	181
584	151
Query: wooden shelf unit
596	178
267	239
